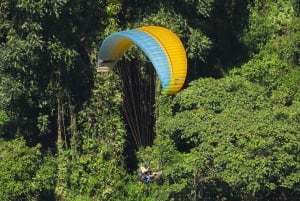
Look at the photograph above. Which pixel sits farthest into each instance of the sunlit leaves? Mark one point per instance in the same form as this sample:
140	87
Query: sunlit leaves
99	143
235	138
280	79
3	117
59	53
21	171
269	72
197	45
267	20
239	135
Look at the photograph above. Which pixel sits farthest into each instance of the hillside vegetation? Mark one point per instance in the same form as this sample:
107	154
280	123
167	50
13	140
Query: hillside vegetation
231	134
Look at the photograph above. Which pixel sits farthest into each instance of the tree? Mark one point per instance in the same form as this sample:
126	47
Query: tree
3	117
47	57
235	138
96	169
267	19
25	174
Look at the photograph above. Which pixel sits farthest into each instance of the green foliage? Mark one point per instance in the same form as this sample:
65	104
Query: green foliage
24	174
203	7
198	45
45	53
234	137
96	169
267	20
275	67
161	156
96	174
279	78
269	72
3	117
296	6
286	47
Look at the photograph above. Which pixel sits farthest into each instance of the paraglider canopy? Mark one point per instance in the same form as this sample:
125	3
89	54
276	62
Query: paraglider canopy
161	46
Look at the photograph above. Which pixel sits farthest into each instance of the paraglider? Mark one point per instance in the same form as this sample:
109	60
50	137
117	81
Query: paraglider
146	175
168	57
161	46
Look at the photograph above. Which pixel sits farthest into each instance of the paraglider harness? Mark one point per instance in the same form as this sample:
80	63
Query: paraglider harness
146	175
145	178
103	66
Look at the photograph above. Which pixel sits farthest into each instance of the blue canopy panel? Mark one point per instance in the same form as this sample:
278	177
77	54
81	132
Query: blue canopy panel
115	45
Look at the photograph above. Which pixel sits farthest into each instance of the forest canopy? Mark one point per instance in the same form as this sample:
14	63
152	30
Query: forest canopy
231	133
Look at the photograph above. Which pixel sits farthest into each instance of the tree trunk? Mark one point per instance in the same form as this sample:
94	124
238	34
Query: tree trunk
61	159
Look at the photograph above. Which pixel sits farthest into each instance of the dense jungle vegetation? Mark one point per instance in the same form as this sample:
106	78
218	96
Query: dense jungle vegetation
231	134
